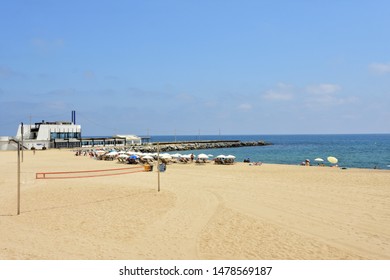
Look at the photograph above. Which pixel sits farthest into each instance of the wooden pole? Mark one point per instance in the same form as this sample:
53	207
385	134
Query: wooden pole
18	189
158	165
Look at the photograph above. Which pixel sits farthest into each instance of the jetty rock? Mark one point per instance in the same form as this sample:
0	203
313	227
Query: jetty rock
194	145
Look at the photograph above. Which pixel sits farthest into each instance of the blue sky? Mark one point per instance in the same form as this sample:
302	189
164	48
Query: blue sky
197	66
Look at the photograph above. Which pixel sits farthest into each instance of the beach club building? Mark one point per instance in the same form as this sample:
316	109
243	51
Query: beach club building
61	134
44	135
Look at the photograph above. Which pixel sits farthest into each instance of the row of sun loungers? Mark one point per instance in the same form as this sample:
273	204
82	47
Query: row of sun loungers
224	161
132	159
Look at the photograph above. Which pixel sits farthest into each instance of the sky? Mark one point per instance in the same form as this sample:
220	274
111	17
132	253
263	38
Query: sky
197	66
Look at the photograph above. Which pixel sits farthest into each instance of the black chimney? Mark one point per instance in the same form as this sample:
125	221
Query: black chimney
74	117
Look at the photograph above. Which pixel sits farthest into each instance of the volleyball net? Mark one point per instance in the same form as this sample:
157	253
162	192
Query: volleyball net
88	173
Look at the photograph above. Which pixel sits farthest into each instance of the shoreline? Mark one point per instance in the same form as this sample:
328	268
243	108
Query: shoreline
72	150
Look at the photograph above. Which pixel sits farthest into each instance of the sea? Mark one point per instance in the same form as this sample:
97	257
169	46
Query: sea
351	150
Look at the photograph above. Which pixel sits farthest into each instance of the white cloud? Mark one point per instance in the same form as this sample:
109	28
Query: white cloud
245	107
274	95
282	92
323	89
328	100
325	95
380	68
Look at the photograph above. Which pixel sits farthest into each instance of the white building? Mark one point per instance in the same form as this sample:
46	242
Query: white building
49	135
61	134
131	139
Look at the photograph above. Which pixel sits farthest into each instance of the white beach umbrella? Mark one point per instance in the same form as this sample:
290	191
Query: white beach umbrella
210	155
333	160
166	156
221	156
113	153
203	156
147	154
186	156
319	159
177	155
147	157
123	156
230	157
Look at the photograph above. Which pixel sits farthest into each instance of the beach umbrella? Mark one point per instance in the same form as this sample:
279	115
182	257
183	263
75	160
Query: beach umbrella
333	160
123	156
147	157
210	155
133	157
230	157
221	156
166	156
203	156
319	159
177	155
112	153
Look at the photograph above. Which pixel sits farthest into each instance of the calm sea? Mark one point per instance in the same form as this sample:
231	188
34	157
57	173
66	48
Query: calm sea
352	150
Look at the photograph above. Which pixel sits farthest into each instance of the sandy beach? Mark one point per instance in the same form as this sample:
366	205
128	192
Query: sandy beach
202	212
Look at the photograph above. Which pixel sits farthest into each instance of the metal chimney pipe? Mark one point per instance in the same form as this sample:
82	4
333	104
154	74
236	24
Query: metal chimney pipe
74	117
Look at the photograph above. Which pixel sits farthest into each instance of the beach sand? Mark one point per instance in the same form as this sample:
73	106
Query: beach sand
202	212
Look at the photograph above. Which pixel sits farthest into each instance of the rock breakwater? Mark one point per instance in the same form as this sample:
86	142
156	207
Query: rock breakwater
194	145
